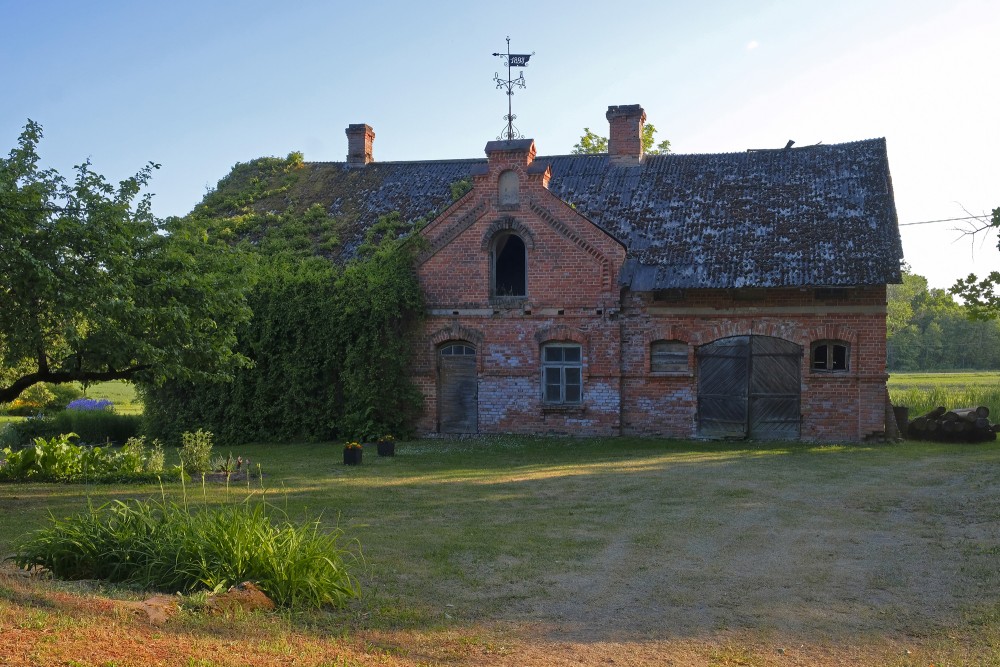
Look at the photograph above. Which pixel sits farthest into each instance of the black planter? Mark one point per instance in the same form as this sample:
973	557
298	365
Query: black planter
352	457
387	449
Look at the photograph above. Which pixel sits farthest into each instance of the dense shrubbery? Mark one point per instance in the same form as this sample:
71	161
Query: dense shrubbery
170	547
42	398
331	350
61	460
95	427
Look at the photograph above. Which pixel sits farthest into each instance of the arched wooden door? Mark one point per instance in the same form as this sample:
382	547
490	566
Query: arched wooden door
458	389
750	387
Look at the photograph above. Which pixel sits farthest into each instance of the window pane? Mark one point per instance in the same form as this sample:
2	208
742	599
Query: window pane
553	353
571	353
572	393
553	376
819	357
839	357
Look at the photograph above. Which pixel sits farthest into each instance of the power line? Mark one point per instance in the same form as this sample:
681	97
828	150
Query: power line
927	222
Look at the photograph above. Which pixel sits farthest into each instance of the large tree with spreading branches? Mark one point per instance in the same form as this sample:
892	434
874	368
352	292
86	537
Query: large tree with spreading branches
93	287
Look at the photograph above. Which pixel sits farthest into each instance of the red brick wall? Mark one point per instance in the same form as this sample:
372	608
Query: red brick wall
572	296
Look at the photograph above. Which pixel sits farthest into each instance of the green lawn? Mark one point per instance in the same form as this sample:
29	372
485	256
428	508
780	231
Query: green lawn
627	539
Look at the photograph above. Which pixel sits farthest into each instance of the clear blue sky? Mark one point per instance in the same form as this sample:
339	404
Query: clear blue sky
199	86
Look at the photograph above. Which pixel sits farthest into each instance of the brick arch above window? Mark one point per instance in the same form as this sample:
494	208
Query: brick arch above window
457	332
511	226
834	332
561	333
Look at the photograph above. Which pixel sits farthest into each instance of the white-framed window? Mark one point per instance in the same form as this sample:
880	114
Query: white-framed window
458	350
832	356
668	356
562	373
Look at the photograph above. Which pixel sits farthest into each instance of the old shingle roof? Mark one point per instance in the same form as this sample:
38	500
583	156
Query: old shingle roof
803	217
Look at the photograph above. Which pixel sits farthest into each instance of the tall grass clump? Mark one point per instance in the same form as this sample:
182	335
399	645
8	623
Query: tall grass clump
169	546
922	400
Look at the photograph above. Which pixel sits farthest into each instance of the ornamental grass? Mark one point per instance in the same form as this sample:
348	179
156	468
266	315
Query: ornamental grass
169	546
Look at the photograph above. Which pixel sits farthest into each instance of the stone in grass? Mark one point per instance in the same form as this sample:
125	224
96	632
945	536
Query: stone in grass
245	597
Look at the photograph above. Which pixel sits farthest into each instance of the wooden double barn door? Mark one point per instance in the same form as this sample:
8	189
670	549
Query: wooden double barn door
458	389
749	387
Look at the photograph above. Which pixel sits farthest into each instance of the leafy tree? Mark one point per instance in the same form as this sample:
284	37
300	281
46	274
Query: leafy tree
929	330
93	287
591	143
981	296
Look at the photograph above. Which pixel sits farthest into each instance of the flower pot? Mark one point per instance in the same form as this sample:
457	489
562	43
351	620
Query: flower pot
352	457
387	449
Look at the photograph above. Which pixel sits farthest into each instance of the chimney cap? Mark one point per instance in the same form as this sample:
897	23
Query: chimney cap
627	110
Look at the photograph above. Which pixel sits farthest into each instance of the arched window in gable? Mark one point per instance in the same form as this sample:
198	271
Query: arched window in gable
509	266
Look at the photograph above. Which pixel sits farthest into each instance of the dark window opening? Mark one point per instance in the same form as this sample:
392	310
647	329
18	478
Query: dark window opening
510	270
830	356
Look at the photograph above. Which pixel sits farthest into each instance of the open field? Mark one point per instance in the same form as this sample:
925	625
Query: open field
516	551
122	394
923	392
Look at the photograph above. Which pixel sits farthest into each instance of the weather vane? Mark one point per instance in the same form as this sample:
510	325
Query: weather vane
512	60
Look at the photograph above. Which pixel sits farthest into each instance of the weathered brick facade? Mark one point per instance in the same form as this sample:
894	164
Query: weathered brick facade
720	295
573	296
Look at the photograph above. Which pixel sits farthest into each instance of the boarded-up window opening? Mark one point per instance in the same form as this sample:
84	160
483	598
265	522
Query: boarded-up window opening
509	189
668	356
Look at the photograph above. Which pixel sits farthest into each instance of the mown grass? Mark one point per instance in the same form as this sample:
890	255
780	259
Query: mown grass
631	538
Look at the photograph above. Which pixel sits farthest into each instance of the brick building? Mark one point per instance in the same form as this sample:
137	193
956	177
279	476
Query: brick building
731	295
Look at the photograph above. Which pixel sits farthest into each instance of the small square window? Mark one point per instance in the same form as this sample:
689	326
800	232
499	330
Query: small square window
830	356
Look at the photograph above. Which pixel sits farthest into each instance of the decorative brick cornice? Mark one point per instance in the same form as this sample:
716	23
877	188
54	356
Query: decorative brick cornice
567	233
452	232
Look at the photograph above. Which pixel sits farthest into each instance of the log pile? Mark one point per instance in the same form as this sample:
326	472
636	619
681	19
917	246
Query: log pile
958	425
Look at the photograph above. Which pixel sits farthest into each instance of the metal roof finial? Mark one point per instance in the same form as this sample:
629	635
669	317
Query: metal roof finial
510	132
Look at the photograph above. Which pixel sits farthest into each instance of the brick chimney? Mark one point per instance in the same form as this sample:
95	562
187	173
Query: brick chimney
360	138
625	139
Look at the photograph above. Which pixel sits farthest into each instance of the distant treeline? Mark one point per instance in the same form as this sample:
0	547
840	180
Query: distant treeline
928	330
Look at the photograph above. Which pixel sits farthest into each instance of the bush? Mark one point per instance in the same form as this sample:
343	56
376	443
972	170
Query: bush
167	546
196	452
42	398
97	426
60	460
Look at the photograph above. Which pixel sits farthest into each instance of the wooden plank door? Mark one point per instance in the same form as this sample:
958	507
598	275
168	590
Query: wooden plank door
458	389
723	372
775	389
749	387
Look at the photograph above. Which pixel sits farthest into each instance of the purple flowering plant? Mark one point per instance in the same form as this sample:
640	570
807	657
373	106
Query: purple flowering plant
90	404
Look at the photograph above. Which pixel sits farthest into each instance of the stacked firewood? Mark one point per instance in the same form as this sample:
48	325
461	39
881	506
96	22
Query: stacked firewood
958	425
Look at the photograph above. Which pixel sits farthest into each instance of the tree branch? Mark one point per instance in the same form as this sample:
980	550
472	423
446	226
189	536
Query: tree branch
9	393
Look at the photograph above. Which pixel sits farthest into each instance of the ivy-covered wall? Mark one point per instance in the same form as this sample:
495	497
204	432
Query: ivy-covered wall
329	343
